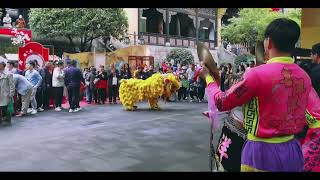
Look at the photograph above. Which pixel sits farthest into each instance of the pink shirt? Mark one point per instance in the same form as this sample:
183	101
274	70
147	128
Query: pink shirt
276	97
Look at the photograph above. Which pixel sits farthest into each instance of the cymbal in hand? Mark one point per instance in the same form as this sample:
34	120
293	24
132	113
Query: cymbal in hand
207	60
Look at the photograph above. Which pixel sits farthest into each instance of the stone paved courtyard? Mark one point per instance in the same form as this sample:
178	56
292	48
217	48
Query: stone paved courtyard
107	138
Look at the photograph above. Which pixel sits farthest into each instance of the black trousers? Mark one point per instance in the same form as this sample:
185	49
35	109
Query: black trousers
95	95
73	97
182	93
58	95
101	95
113	92
39	97
3	114
46	95
201	91
17	102
193	94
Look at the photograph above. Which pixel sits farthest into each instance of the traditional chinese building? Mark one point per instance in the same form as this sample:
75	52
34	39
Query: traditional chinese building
177	27
157	30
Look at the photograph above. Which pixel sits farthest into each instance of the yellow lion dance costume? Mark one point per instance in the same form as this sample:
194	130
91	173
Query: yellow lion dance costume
133	90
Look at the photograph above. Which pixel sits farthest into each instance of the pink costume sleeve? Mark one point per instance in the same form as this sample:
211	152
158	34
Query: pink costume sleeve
313	110
237	95
311	143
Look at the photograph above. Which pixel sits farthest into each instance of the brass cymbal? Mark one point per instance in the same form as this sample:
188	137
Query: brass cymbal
206	57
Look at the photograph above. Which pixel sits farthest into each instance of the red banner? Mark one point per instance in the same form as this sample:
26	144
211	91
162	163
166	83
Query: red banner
8	32
33	51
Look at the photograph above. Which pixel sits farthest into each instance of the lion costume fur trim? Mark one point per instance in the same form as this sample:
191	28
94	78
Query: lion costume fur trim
134	90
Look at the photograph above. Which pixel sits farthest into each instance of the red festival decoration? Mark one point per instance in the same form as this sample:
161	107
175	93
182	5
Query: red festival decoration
9	32
33	51
276	9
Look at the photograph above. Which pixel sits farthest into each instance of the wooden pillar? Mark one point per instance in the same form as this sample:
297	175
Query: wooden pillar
219	13
197	27
167	25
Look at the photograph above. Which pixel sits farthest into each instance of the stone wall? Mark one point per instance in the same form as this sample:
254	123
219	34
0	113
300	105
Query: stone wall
225	56
160	53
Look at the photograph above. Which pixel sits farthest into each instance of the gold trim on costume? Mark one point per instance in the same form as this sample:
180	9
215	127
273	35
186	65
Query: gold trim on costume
246	168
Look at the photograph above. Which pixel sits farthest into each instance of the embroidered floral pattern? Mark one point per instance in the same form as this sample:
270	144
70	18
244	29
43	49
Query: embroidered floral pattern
223	147
311	152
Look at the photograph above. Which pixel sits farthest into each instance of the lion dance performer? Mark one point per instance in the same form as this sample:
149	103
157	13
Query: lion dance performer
275	96
158	85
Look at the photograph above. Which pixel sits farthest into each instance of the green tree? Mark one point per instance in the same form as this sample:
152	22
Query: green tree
251	23
181	55
79	24
6	46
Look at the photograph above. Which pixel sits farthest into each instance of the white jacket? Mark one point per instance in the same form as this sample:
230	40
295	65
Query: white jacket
58	77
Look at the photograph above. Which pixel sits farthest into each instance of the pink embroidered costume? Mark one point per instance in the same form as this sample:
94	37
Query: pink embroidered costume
276	97
311	144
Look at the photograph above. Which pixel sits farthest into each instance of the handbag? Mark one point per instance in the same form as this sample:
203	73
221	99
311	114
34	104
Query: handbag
10	109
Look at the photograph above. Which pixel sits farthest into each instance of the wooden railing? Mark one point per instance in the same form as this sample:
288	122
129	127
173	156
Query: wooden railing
175	41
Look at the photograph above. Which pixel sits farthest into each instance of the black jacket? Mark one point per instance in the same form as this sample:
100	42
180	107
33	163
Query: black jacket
149	74
223	78
125	74
315	78
141	75
47	78
103	76
110	77
73	77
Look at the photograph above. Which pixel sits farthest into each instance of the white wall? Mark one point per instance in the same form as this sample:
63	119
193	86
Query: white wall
99	59
132	14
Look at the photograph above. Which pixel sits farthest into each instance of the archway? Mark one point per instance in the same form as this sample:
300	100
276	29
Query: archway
182	25
154	21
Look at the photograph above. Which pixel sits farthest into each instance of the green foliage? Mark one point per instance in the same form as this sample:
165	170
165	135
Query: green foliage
59	46
180	55
251	23
84	24
6	46
244	58
8	49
